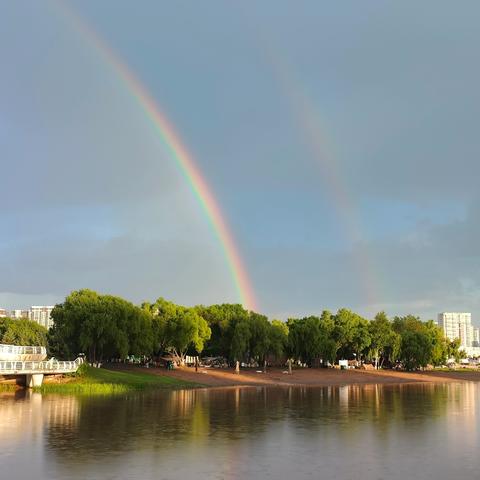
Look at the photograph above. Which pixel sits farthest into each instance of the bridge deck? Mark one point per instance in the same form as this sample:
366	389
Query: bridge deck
49	367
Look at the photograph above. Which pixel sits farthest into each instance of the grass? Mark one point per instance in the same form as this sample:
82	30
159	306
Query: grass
101	381
8	387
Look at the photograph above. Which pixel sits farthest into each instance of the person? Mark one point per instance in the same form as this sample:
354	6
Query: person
196	364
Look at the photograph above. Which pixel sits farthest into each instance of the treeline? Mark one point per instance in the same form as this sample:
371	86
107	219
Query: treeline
105	327
22	332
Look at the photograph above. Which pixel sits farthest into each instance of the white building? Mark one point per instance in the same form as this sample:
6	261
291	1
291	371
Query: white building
3	313
476	337
457	325
18	314
41	315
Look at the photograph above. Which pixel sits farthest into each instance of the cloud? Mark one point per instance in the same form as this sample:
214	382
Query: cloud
432	268
90	198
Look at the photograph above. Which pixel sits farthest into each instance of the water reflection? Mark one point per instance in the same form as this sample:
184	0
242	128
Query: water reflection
353	431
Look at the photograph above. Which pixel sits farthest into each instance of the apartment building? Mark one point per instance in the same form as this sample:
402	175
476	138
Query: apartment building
458	325
18	314
41	315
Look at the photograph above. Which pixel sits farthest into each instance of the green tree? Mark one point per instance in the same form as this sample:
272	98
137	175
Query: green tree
383	340
351	334
422	343
453	349
179	328
278	338
102	326
415	349
312	338
22	332
438	342
222	320
240	340
259	336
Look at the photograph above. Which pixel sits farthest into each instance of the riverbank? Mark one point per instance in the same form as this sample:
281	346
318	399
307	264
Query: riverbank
121	378
102	381
304	377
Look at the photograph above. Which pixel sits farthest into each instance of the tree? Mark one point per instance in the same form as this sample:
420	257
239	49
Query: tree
259	336
351	333
102	326
178	328
361	338
22	332
453	349
222	320
312	338
382	338
415	349
278	338
422	343
438	342
240	340
296	347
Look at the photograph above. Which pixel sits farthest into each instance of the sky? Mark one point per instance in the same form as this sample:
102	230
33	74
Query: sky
340	140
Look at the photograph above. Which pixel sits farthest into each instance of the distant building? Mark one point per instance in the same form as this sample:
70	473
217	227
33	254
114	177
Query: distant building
18	314
41	315
3	313
458	325
476	337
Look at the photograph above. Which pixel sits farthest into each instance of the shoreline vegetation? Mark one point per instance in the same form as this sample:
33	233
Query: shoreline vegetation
103	381
115	379
109	330
121	379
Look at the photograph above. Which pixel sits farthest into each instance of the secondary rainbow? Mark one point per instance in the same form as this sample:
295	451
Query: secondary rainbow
178	152
314	132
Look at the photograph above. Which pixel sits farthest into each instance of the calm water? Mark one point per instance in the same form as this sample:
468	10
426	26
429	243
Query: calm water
370	432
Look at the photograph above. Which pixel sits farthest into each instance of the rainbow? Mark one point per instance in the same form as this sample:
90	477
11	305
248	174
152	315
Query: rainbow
178	152
313	130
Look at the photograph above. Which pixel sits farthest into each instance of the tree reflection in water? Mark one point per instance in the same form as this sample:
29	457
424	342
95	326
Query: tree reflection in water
238	432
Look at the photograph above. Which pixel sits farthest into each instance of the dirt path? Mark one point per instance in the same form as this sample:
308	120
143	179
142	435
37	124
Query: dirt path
319	377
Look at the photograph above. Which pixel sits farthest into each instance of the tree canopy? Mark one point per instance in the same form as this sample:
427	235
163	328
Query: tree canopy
105	326
22	332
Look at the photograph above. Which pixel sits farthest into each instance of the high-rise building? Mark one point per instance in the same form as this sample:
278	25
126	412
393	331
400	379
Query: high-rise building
41	315
3	313
476	337
18	314
457	325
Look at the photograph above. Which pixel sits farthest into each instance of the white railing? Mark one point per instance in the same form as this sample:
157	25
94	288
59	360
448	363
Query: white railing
22	350
48	366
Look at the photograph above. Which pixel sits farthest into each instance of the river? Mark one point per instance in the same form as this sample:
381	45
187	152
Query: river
422	431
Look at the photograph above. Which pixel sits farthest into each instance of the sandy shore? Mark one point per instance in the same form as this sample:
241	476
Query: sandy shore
213	377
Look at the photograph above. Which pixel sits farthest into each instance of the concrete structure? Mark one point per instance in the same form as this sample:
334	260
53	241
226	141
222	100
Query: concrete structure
476	337
472	352
457	325
14	353
30	361
3	313
41	315
19	314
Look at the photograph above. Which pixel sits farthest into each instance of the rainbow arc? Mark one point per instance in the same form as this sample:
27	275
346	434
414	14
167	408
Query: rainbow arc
177	151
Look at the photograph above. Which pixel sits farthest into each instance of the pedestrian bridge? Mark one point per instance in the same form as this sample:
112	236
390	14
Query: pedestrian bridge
30	361
22	353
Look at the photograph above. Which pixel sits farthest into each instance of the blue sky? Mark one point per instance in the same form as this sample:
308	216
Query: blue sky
340	139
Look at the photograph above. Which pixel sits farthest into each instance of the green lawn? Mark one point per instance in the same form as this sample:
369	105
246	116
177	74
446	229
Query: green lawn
101	381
